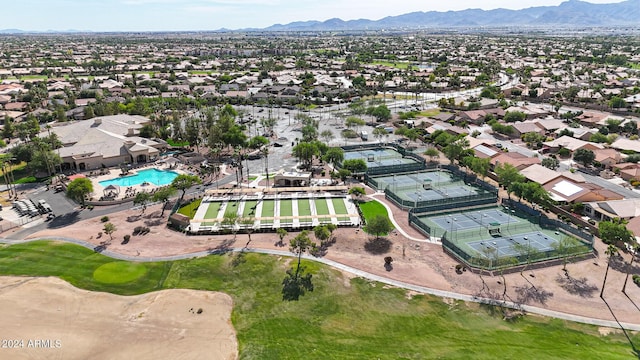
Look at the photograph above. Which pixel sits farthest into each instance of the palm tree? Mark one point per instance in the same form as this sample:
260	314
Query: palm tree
611	251
634	249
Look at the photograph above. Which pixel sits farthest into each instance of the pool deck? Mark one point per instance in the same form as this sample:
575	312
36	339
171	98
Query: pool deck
98	190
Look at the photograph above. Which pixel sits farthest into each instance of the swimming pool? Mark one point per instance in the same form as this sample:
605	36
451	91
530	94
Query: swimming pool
153	176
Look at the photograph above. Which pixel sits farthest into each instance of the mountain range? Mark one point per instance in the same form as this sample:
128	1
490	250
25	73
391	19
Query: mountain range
569	13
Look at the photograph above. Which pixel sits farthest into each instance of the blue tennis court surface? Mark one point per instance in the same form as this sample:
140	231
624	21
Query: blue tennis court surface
473	219
376	154
512	245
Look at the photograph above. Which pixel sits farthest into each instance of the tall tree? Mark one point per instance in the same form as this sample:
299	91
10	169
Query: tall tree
78	189
615	231
378	225
508	175
296	283
432	153
183	182
633	251
333	156
584	156
142	198
611	252
163	195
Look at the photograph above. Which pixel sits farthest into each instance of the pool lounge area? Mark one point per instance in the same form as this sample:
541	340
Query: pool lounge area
110	185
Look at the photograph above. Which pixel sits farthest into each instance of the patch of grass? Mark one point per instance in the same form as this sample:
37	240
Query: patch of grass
212	210
403	65
249	209
26	180
177	143
231	209
321	206
268	208
190	209
286	207
372	208
430	112
304	207
119	272
340	319
19	171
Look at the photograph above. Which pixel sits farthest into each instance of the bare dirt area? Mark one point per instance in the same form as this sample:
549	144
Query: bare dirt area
575	292
47	318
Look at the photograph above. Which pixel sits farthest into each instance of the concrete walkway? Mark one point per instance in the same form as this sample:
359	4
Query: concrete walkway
357	272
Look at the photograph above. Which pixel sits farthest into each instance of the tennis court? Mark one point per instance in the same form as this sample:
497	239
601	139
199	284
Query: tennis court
404	181
374	154
513	245
474	219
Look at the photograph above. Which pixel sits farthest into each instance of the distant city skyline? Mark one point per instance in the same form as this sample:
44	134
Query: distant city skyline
192	15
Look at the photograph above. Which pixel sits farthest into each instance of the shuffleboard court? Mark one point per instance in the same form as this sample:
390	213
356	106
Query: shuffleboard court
338	206
304	207
231	209
249	208
268	208
286	207
212	210
321	206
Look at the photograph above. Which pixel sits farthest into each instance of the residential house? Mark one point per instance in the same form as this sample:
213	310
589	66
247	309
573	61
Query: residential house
626	145
525	127
515	159
569	192
570	143
607	157
616	209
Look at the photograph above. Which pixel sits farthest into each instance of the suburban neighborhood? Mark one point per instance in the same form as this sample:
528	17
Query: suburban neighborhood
502	170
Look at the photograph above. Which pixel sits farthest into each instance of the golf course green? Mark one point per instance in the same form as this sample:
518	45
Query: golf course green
343	318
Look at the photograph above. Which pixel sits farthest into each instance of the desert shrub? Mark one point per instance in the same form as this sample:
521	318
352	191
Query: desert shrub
141	230
636	279
104	219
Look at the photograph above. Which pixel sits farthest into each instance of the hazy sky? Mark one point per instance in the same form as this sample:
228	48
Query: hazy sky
159	15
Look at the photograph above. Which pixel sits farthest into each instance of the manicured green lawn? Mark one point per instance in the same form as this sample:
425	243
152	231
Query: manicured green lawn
341	319
372	208
394	64
338	206
304	207
268	208
213	210
190	209
231	209
249	208
321	206
286	207
119	272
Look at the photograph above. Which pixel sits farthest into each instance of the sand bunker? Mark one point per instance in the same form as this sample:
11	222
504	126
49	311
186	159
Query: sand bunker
47	318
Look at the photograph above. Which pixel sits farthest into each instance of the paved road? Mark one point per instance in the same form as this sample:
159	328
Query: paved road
357	272
627	193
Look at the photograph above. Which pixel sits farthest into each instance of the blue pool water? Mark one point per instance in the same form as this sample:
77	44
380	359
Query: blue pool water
153	176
